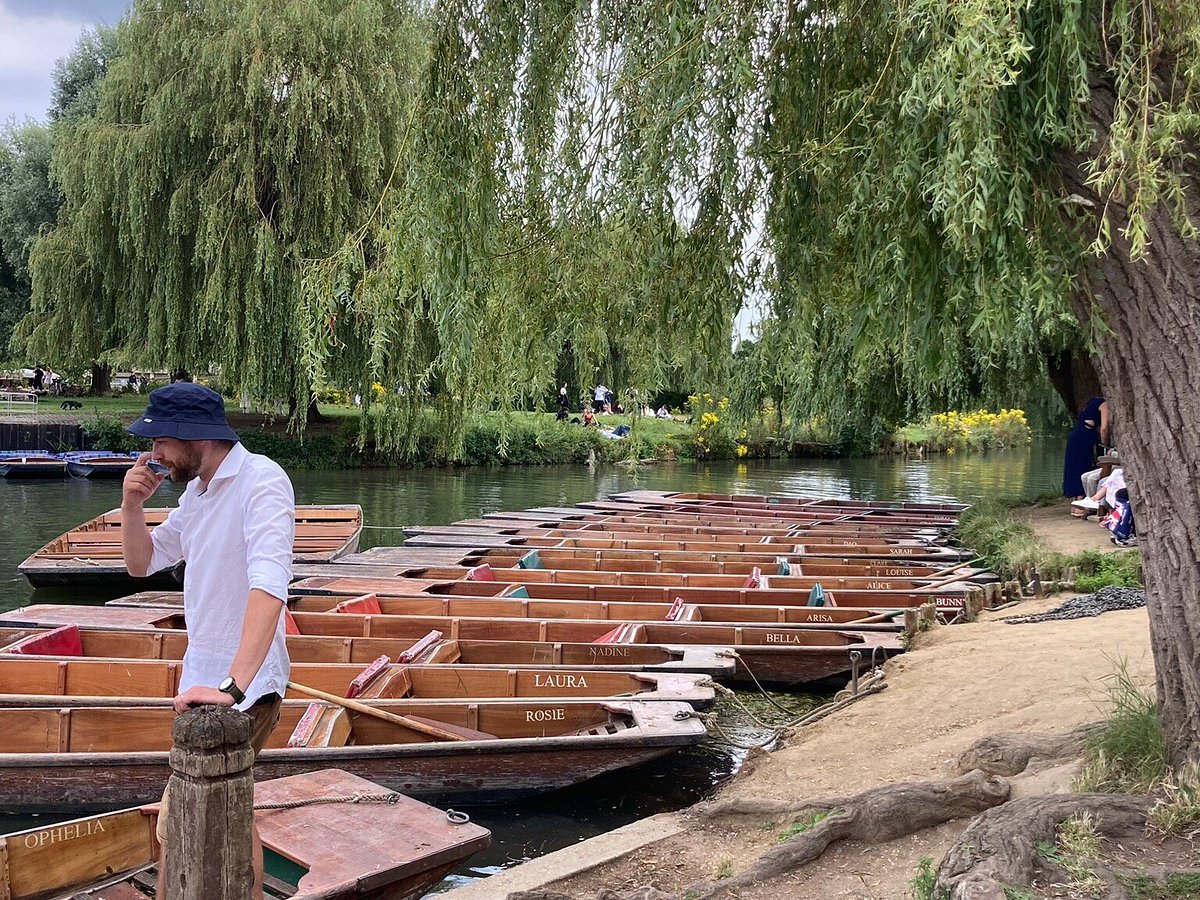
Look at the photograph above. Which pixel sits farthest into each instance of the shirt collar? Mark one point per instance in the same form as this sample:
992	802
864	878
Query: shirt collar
230	465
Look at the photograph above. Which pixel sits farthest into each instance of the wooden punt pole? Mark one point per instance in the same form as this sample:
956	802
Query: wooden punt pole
211	809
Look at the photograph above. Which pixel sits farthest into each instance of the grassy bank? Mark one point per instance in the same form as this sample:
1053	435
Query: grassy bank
491	439
1009	546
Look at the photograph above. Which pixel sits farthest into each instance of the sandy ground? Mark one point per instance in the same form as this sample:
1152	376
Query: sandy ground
1061	532
961	683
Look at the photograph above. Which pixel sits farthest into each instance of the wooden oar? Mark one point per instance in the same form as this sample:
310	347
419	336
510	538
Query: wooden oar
431	730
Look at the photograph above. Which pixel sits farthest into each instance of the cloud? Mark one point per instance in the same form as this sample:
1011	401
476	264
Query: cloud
34	35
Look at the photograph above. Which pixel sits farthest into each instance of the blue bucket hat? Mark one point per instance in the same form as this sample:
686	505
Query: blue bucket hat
186	411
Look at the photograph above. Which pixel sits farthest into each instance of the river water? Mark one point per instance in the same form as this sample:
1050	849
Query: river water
34	512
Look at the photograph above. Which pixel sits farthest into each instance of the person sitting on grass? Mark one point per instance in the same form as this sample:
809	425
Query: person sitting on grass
589	418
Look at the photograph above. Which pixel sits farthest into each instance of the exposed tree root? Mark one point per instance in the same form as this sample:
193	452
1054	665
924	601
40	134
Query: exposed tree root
1000	847
1011	752
880	814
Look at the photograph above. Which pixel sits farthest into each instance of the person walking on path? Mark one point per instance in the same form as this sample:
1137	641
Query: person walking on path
1090	428
234	527
564	404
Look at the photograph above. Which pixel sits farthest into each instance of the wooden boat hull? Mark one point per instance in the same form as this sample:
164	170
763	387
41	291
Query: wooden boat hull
813	654
90	554
119	640
112	682
368	851
484	771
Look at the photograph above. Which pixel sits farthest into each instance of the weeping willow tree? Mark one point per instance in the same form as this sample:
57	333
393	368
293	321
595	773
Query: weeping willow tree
231	142
576	178
960	191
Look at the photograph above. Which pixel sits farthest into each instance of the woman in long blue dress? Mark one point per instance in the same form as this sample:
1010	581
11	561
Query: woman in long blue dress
1091	427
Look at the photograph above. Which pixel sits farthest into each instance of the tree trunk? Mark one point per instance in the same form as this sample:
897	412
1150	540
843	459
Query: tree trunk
101	379
1074	378
1150	368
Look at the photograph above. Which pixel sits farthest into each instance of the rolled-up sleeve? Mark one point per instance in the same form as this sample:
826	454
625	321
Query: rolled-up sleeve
269	530
167	537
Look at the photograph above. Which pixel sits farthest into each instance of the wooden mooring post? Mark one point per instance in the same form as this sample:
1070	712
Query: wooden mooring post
211	807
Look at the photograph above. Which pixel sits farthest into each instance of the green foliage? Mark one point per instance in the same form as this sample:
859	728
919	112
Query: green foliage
723	868
108	432
1005	543
1129	754
78	76
805	824
924	882
1097	570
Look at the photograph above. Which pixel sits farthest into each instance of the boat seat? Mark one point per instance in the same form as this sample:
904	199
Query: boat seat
62	641
817	596
367	604
610	637
422	646
321	726
367	677
530	560
481	573
289	622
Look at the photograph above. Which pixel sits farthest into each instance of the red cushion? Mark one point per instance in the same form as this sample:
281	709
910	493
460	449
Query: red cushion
62	641
419	647
610	637
675	611
481	573
366	676
367	604
754	579
289	622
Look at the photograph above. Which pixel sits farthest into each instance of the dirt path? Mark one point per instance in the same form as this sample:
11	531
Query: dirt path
960	684
1059	531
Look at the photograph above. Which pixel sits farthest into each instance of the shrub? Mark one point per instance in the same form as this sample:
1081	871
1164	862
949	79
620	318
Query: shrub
107	432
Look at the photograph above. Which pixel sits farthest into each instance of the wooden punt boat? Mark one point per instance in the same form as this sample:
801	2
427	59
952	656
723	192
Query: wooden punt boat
699	525
114	641
316	598
87	757
781	654
678	540
872	596
90	554
99	463
389	851
599	509
32	678
745	566
649	496
614	514
32	465
869	603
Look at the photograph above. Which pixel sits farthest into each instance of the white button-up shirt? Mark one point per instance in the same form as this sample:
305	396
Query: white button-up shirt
235	536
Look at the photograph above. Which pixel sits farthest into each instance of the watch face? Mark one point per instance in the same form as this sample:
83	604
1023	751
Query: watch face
226	684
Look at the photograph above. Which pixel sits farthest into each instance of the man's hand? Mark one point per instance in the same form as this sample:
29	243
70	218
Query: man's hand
202	696
140	483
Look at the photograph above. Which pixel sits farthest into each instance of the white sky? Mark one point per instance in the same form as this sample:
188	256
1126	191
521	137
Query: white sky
34	34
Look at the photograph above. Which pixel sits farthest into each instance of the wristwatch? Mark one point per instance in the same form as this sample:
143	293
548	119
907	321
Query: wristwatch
230	687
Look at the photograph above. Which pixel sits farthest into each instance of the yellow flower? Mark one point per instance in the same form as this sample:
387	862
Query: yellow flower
742	450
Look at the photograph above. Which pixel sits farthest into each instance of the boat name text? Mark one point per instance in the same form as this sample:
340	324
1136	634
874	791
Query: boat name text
545	715
609	651
63	833
559	681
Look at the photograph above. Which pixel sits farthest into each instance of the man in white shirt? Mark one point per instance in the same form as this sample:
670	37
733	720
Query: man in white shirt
234	527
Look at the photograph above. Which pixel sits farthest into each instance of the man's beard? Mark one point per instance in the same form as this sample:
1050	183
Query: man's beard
188	467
